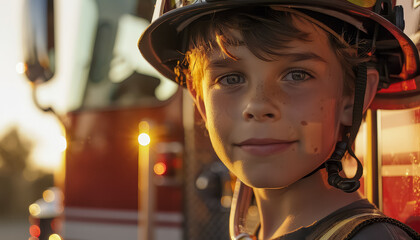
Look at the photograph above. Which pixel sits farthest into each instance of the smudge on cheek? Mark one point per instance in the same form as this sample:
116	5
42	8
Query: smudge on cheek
304	123
312	137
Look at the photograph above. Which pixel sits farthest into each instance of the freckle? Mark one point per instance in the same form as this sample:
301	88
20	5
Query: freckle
315	149
322	108
304	123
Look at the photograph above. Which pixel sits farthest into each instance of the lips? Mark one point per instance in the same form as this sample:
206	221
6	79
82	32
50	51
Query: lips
264	146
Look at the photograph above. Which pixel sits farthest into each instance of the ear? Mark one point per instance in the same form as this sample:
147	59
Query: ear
371	88
198	100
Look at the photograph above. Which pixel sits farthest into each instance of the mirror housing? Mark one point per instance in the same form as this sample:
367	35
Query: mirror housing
38	42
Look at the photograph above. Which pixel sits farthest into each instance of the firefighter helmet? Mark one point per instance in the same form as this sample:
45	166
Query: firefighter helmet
376	22
164	42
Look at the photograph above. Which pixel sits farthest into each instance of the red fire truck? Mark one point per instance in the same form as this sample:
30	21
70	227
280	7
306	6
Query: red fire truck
137	164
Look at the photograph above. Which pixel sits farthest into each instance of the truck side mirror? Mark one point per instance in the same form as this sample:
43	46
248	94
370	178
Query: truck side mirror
38	42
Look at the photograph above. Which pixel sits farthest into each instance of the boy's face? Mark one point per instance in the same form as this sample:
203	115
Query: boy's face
272	123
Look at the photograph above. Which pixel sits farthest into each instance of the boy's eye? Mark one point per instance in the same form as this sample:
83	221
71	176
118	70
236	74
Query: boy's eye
231	79
297	76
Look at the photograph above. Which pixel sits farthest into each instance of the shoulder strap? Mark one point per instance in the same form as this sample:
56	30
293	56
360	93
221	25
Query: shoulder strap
348	228
410	232
343	227
325	225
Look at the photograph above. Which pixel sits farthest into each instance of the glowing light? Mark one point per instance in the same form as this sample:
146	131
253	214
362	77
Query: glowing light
226	201
20	68
202	183
144	139
54	236
48	195
50	159
160	168
253	211
35	231
62	143
34	209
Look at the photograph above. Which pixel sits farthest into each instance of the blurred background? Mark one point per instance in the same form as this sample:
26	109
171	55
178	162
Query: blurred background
31	142
99	145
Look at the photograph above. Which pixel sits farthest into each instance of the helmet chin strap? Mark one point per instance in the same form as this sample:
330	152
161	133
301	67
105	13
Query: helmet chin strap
333	164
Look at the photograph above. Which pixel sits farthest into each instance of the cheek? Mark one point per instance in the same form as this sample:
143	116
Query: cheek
320	131
219	123
319	124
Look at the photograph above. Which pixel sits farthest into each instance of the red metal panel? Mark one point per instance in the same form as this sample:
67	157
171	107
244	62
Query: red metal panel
102	155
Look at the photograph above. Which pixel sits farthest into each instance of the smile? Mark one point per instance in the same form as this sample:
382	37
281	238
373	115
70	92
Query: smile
265	146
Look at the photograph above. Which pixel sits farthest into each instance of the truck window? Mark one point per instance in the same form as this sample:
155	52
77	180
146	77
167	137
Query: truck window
119	76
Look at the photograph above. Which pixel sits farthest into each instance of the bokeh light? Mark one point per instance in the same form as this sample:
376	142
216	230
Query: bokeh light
144	139
35	231
34	209
160	168
54	236
48	195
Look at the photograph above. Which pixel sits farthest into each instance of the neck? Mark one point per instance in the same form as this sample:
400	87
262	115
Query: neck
299	205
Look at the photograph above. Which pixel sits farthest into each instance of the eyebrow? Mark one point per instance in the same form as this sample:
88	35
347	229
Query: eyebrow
294	57
302	56
222	62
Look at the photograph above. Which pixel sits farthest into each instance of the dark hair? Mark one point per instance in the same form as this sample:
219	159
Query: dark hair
264	31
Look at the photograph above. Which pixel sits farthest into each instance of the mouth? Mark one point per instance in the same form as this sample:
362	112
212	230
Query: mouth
265	146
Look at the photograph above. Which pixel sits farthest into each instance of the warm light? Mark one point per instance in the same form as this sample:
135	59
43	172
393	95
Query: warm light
407	85
34	209
54	236
253	211
20	68
202	183
35	231
226	201
48	195
144	139
62	143
51	158
160	168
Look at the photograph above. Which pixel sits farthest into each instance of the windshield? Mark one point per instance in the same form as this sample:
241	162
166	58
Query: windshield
118	75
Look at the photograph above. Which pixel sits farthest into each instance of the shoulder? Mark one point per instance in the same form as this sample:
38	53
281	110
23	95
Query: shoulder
383	231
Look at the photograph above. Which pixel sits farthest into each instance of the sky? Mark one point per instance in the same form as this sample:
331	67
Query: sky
16	105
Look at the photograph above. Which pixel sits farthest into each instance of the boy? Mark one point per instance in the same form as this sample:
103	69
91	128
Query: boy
281	86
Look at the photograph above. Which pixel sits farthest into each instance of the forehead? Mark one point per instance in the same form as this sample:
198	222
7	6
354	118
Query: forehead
315	44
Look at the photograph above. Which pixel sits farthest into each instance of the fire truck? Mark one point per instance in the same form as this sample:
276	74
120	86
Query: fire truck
138	163
124	173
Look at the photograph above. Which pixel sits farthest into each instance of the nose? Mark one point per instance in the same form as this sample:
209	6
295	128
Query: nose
261	109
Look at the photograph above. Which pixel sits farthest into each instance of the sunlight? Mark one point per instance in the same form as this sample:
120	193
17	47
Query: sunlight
20	68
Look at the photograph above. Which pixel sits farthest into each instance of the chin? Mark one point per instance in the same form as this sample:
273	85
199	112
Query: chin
267	182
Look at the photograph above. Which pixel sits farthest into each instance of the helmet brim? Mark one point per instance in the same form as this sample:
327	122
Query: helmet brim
163	42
